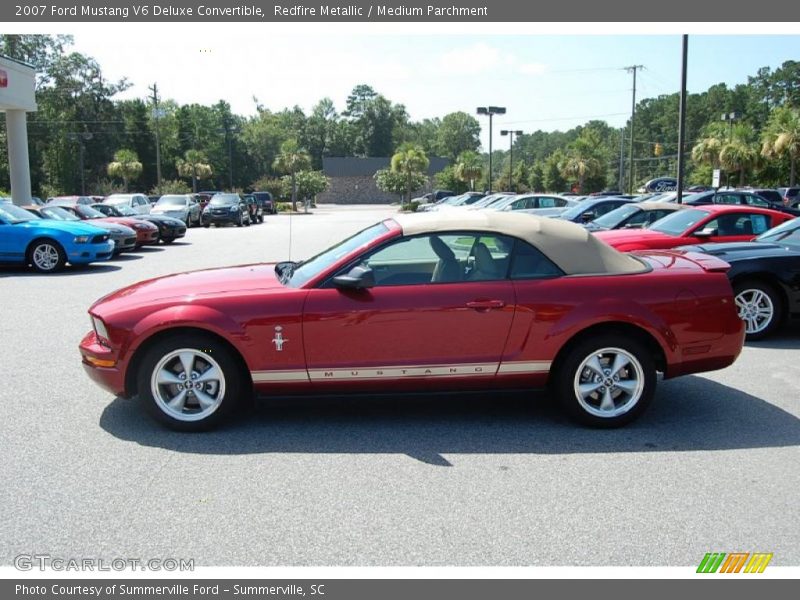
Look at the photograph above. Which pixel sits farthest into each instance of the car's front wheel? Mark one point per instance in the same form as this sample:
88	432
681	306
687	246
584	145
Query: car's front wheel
606	380
47	256
189	382
760	307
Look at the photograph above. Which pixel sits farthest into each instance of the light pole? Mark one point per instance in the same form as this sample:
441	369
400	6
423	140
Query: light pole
730	118
229	131
511	133
80	137
490	111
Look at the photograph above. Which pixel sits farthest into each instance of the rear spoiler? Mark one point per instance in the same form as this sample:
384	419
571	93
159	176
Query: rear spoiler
707	262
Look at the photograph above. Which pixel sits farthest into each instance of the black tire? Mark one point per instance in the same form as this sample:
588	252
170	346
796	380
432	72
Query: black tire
167	240
586	409
36	256
261	218
205	348
240	222
744	291
206	225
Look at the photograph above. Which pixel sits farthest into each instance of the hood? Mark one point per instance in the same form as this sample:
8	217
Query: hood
129	222
191	286
736	251
113	227
168	209
156	218
619	237
71	227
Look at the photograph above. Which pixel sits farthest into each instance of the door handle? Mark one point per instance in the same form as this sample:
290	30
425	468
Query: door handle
485	304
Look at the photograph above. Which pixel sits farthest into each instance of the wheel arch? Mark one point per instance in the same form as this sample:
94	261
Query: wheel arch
141	351
614	328
44	238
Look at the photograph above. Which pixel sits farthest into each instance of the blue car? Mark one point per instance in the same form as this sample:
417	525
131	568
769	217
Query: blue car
46	244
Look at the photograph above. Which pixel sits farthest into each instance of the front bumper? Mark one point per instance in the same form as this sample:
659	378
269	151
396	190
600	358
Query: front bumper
101	365
123	243
146	236
221	218
83	254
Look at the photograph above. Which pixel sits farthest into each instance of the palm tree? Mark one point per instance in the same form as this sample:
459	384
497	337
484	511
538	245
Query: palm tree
469	167
739	153
706	150
125	165
578	166
292	159
410	160
782	138
194	164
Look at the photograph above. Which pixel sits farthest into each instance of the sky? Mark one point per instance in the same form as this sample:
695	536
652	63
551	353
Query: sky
545	82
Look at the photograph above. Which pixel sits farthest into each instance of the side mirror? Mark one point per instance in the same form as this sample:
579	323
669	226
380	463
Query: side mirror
359	278
634	226
710	232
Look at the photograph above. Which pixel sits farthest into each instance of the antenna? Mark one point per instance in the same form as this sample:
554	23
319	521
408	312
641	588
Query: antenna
290	234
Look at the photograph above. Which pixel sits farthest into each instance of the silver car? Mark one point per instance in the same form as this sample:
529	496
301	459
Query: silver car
138	202
179	206
543	205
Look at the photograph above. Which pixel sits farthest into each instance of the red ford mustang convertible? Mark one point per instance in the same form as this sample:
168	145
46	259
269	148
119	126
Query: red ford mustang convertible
479	300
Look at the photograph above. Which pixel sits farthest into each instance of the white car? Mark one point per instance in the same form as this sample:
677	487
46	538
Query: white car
137	202
542	205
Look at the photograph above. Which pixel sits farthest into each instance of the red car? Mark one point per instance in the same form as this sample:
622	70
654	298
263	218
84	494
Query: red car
146	233
421	302
706	224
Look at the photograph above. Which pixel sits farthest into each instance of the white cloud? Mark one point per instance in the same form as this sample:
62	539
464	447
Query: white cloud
470	60
532	69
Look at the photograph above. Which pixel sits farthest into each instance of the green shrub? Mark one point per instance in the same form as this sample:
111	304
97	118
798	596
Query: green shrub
171	186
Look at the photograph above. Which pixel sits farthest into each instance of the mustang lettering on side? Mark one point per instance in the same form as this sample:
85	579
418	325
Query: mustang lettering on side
438	301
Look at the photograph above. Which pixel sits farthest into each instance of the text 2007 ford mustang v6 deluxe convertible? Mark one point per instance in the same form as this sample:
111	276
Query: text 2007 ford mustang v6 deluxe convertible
422	302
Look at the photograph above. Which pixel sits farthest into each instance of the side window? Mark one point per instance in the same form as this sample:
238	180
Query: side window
547	203
756	201
726	199
604	208
760	224
441	258
519	204
530	263
642	217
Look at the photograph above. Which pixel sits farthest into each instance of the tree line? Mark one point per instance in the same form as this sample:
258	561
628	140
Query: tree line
82	137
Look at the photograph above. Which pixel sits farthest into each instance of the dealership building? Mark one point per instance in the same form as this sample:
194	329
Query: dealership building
17	98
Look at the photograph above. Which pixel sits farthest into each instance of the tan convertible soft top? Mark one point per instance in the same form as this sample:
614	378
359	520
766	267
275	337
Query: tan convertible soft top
570	246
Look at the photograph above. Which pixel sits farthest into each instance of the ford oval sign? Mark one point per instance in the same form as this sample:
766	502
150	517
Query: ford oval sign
661	184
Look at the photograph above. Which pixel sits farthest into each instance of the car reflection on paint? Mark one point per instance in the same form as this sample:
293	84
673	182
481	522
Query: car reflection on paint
442	301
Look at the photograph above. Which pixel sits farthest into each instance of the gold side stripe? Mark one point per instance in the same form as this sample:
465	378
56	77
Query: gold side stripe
485	369
401	372
536	366
261	376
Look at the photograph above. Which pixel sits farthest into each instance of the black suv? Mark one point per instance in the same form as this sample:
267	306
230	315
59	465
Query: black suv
267	204
226	208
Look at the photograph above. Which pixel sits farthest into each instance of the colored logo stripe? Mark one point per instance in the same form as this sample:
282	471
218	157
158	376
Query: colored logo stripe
734	562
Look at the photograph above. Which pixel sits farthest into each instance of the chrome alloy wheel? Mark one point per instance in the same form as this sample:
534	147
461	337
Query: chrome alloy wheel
187	385
609	382
45	257
756	309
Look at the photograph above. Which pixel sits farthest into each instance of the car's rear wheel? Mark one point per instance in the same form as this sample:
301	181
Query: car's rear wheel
47	256
606	380
760	306
189	382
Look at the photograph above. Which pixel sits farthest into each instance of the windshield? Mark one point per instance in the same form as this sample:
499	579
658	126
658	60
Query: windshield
87	212
787	233
612	219
295	275
59	214
172	201
12	214
126	211
116	200
678	222
224	200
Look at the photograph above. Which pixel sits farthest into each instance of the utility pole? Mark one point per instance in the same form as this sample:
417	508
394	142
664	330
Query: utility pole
682	118
621	183
632	69
157	117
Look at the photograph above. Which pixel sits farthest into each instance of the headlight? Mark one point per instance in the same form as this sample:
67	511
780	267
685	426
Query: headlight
81	239
99	328
140	226
234	208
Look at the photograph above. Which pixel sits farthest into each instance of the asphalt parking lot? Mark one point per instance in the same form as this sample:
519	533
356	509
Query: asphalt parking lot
438	480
